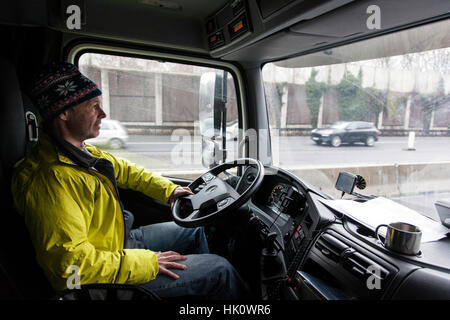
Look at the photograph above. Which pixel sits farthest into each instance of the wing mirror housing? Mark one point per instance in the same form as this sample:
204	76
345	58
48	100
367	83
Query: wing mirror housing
212	117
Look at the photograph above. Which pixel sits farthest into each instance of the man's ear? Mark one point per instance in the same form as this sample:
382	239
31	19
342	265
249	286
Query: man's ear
64	116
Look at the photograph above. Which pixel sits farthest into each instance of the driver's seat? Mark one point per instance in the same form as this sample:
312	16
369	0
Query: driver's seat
20	275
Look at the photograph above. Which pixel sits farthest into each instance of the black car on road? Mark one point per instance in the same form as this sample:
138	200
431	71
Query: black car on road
346	132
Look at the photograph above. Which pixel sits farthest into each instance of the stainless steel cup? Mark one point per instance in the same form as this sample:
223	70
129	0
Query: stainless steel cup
401	237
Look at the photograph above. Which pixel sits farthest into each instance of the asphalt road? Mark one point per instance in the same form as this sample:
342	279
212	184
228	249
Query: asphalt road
301	151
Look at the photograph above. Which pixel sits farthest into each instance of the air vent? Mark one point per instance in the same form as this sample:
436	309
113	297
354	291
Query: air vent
362	267
331	247
367	273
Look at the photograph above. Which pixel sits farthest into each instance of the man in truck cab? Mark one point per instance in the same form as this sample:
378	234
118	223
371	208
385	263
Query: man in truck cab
67	191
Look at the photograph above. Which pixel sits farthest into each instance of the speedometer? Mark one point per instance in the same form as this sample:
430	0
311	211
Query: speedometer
275	195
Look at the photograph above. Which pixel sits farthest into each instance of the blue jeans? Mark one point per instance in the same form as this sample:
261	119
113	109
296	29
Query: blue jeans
207	276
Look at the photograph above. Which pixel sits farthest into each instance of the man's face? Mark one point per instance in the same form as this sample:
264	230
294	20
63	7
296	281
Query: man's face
84	120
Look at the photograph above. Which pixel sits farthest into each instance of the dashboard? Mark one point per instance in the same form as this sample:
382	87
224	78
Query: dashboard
320	254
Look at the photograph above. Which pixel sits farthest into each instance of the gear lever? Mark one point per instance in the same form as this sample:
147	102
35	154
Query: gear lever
271	265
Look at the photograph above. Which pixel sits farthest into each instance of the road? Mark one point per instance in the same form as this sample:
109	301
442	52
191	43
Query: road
301	151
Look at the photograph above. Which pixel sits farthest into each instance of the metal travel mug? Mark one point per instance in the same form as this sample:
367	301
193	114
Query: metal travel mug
401	237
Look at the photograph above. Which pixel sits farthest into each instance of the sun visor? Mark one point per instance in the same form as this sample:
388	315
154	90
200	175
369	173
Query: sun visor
427	37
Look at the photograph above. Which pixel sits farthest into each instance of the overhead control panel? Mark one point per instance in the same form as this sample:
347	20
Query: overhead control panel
242	24
228	24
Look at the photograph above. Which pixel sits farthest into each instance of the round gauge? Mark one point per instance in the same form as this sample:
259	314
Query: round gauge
275	194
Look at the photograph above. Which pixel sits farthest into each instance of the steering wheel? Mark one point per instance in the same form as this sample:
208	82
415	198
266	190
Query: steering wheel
216	198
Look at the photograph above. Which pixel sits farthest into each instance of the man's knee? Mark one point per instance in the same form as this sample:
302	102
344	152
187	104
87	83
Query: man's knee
228	282
221	267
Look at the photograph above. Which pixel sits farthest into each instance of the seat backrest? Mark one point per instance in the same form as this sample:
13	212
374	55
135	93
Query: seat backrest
20	275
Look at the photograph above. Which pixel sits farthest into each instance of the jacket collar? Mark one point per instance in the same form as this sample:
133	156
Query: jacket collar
68	153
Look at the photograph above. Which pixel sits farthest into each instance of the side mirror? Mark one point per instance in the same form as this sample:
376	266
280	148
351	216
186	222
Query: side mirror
206	104
212	116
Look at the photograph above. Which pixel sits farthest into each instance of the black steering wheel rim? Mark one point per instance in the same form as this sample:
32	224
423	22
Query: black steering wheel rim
216	192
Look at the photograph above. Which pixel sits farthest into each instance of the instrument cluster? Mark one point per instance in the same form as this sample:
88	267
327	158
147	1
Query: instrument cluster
285	198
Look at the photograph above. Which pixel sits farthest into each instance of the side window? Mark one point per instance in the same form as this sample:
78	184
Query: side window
157	106
362	125
353	126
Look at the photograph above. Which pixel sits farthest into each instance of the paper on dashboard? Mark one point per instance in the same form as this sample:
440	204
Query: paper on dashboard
381	210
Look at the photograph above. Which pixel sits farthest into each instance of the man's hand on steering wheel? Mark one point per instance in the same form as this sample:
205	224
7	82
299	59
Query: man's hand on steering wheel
179	192
215	198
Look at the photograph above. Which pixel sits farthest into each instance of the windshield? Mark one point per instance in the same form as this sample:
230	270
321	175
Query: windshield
405	156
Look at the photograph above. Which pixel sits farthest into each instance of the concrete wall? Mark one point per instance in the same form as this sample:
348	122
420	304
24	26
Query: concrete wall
383	180
158	99
153	98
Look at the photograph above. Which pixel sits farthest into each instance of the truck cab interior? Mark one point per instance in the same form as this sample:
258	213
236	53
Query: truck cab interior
274	220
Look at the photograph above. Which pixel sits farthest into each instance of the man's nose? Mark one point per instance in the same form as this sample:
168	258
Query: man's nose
102	113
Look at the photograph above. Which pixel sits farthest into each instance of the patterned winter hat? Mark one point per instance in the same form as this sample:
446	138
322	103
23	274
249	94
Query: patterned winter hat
59	87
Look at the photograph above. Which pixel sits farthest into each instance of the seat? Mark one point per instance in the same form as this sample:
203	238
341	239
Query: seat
20	275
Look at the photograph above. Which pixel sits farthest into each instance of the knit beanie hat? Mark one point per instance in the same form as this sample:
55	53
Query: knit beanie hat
61	86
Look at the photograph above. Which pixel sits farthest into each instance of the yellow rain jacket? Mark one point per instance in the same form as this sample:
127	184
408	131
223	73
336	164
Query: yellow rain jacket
75	219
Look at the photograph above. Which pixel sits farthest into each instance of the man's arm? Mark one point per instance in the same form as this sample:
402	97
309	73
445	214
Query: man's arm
133	176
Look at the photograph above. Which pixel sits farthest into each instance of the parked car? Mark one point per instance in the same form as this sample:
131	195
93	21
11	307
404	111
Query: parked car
112	133
346	132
